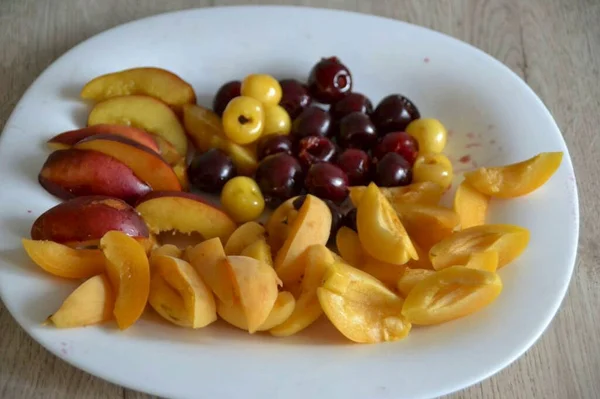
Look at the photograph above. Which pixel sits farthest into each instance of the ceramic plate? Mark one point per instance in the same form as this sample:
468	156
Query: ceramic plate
493	116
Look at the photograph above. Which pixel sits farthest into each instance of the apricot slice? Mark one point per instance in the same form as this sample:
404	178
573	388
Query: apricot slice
282	309
410	278
142	112
167	302
86	219
470	205
208	259
243	236
312	226
427	224
260	251
279	224
361	307
516	179
167	250
184	212
151	81
450	294
425	193
129	273
180	170
486	260
63	261
91	303
75	173
508	240
381	233
349	246
167	151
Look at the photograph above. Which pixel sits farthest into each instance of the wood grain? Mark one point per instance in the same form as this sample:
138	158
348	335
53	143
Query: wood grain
553	44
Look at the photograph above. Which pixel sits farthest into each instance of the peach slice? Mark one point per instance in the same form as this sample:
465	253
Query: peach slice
145	163
198	299
142	112
410	278
63	261
206	131
151	81
425	193
381	233
91	303
470	205
508	240
87	219
208	259
361	307
168	152
255	286
185	213
167	302
279	224
167	250
516	179
282	309
243	236
260	251
427	224
311	227
75	173
70	138
129	272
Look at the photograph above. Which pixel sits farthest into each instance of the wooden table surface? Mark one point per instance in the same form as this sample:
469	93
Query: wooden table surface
553	44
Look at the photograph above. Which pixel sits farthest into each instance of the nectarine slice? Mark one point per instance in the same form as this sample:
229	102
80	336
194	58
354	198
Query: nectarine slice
516	179
425	193
427	224
167	302
91	303
470	205
208	259
142	112
243	236
129	272
282	309
167	151
180	170
167	250
260	251
410	278
185	213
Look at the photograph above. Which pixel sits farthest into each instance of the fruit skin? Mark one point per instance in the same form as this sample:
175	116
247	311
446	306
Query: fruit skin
279	177
400	143
394	113
357	166
154	82
142	112
313	121
356	131
243	236
470	205
184	212
393	170
272	144
282	309
87	218
208	259
516	179
242	200
225	94
277	121
295	97
263	88
352	102
210	171
425	193
430	134
329	80
327	181
315	149
244	120
433	167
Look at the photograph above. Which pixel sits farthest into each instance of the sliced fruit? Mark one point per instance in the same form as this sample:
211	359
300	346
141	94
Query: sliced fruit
486	260
167	302
70	138
410	278
129	273
208	258
425	193
143	112
167	250
282	309
168	152
508	240
450	294
349	246
427	224
260	251
243	236
185	213
470	205
91	303
180	170
280	223
516	179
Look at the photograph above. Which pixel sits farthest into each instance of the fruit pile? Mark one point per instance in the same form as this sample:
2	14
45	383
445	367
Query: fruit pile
396	258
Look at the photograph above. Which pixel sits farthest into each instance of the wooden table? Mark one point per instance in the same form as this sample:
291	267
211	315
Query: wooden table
553	44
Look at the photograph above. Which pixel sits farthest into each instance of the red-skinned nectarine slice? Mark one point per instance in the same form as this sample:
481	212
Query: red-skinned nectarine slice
208	259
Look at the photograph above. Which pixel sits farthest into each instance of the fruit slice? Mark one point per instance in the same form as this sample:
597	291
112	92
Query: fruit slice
282	309
427	224
311	227
486	260
360	307
470	205
145	163
70	138
91	303
197	298
208	258
516	179
206	131
129	272
167	302
349	246
410	278
508	240
180	170
143	112
243	236
75	173
260	251
381	233
63	261
167	151
185	213
450	294
279	224
85	219
155	82
425	193
255	286
167	250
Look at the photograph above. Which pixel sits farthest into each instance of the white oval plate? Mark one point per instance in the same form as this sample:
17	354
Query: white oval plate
494	117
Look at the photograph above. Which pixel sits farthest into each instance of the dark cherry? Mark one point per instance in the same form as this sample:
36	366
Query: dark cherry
399	142
272	144
392	170
329	81
337	218
353	102
357	131
327	181
279	177
350	219
315	149
211	170
313	121
357	165
225	93
295	97
394	113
